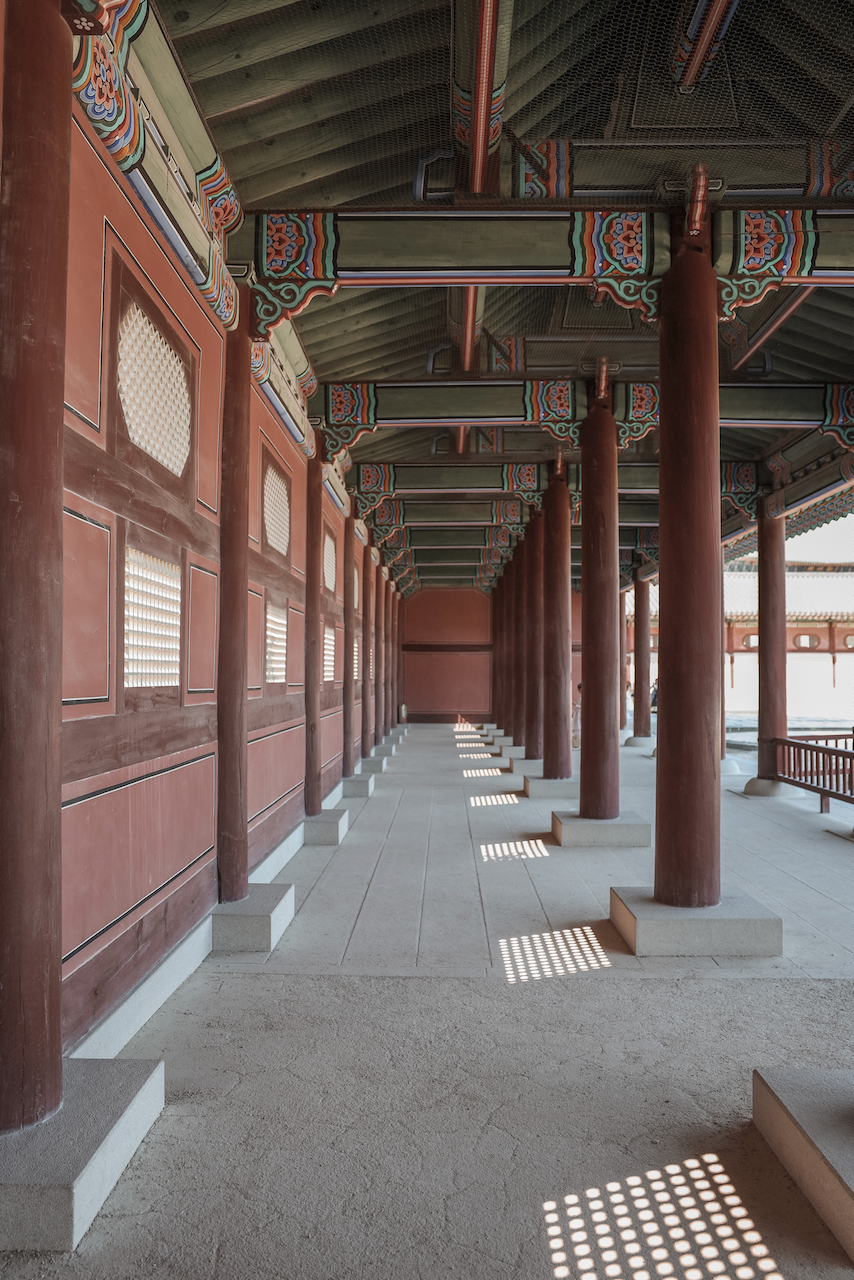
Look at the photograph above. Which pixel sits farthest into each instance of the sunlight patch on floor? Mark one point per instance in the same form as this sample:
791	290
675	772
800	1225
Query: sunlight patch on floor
688	1215
531	957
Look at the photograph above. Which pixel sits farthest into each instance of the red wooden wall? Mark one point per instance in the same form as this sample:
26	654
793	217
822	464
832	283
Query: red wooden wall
447	654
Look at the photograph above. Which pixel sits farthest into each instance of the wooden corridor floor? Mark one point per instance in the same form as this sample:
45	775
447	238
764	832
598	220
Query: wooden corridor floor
377	1099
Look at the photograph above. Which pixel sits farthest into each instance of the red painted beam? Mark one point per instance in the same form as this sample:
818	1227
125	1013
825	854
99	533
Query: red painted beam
705	40
776	322
484	66
469	328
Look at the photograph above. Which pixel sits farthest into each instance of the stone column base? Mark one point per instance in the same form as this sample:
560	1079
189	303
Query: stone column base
639	742
804	1114
55	1176
256	923
629	831
771	787
537	787
729	767
737	926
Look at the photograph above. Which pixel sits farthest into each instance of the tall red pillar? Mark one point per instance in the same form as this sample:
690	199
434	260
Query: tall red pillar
387	593
367	620
511	574
534	639
773	720
495	669
520	650
395	611
557	631
687	836
500	652
349	690
34	184
401	624
624	710
599	790
313	636
232	671
379	657
642	700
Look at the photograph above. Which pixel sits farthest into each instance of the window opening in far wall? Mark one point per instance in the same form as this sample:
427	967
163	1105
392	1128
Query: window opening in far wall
328	653
277	645
329	562
152	621
355	587
357	671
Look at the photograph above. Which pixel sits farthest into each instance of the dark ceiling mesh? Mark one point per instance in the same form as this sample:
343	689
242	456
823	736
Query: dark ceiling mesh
325	103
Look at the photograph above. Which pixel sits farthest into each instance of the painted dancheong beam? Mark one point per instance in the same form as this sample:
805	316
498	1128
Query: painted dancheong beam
295	256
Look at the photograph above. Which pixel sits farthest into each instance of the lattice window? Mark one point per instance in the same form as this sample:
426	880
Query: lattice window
357	670
152	621
329	561
277	511
355	588
328	653
277	645
154	391
372	662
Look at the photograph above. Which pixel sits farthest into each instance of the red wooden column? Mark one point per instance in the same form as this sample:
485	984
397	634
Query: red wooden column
642	706
387	592
624	710
232	673
401	625
773	720
557	632
498	598
599	791
34	181
313	637
510	576
687	845
520	637
349	690
379	657
395	601
534	640
367	606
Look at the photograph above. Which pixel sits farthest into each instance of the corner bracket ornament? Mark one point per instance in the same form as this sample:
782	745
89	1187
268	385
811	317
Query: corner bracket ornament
295	260
351	412
374	483
743	291
839	413
738	483
550	405
628	292
98	75
642	413
523	481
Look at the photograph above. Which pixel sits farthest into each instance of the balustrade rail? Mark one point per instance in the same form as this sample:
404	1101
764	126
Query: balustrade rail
828	770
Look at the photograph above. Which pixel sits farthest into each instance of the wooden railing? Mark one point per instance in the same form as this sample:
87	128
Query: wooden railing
826	769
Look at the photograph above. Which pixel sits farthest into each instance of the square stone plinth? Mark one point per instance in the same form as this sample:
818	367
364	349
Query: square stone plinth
257	922
512	753
328	827
528	768
359	786
502	740
737	926
538	788
629	831
376	764
55	1177
386	749
806	1115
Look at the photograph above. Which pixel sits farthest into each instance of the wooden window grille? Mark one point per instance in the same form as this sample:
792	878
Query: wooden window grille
277	645
328	653
152	621
277	511
154	391
329	562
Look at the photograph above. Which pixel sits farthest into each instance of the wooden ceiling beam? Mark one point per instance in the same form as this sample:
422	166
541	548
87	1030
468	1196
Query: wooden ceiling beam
291	113
329	312
304	25
202	15
324	135
260	187
242	89
341	189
